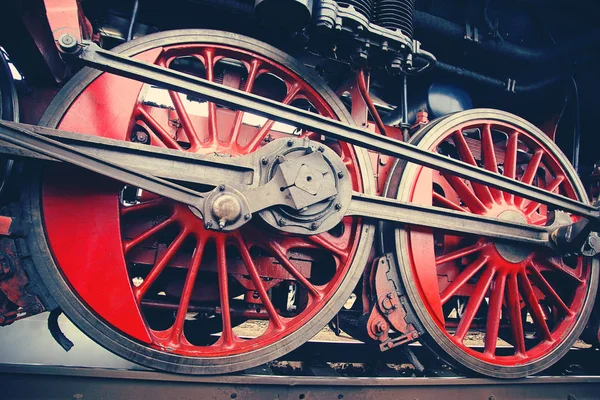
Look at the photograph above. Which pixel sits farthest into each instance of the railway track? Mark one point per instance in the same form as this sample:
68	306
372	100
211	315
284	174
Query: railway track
264	382
318	369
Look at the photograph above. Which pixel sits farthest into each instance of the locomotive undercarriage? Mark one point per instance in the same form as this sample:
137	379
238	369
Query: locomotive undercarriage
188	183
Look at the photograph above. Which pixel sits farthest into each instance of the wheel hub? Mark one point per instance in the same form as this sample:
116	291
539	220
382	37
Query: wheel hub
512	252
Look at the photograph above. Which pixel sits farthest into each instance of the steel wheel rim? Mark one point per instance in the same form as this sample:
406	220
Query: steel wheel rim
323	314
443	336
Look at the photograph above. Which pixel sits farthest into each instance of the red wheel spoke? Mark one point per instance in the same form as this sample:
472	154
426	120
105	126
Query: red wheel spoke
466	194
532	206
281	256
532	168
264	130
328	245
129	244
531	300
186	294
146	205
467	156
258	283
548	290
160	132
510	161
553	265
209	66
494	316
474	303
159	266
239	115
186	122
488	154
227	336
444	202
465	251
514	313
462	278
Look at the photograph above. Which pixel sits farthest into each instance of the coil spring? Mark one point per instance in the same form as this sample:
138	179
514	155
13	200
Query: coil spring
395	14
364	7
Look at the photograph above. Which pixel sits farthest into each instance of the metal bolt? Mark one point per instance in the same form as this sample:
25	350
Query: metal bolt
208	224
247	217
321	149
594	242
338	206
290	143
221	224
340	174
67	43
380	327
264	160
382	161
281	222
314	226
221	187
142	137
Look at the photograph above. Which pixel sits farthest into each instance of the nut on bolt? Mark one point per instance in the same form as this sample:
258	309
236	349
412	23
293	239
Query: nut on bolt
68	43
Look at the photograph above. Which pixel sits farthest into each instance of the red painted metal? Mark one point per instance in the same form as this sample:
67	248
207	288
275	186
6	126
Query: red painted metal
533	302
5	223
66	17
115	242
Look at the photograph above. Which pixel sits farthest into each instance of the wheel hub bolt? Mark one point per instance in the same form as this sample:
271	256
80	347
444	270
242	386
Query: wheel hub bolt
67	43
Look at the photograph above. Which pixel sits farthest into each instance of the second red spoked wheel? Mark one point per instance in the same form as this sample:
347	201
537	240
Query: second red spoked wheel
492	307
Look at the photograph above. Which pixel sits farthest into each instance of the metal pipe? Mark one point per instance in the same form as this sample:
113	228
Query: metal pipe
364	93
404	124
134	14
448	29
576	125
509	85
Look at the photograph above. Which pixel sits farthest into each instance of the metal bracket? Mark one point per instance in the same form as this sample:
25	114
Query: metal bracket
389	311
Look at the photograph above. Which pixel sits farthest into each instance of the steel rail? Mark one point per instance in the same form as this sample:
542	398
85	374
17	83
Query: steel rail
26	138
25	381
382	208
164	163
104	60
92	151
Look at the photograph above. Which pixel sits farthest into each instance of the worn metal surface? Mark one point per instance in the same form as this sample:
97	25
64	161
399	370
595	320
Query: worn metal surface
38	382
264	196
105	60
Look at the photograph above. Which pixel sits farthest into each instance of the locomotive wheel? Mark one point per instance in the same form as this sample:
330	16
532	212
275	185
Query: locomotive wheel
494	308
138	273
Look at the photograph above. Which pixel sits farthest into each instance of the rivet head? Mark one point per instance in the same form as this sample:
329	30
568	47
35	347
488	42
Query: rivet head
340	174
221	187
264	160
290	143
314	226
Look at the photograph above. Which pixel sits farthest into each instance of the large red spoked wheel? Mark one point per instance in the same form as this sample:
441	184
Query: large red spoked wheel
139	273
495	308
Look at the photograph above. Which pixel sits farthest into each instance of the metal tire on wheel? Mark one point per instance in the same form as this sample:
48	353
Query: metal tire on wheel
529	305
140	274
